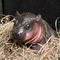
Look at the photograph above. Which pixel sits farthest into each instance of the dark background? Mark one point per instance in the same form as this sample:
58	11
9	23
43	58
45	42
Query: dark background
49	9
0	6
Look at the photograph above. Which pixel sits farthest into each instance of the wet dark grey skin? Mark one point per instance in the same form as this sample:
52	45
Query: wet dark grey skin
24	28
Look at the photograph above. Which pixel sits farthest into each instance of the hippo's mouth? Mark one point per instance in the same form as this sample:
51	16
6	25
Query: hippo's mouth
36	35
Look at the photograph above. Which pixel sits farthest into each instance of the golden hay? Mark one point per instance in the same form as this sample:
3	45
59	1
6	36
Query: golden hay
5	32
10	51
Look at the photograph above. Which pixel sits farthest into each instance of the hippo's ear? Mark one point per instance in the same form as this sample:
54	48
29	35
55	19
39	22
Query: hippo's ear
18	18
38	17
17	13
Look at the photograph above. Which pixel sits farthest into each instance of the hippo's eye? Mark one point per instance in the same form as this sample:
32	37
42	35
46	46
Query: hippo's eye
28	27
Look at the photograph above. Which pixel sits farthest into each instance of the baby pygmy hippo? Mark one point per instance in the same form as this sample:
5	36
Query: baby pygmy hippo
32	29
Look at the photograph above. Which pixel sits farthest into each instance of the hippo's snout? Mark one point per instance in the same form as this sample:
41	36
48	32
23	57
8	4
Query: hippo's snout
19	34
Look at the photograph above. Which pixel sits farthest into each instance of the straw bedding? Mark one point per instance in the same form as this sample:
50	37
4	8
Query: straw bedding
10	51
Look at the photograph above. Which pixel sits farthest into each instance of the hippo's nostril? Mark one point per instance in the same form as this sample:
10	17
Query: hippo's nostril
15	35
